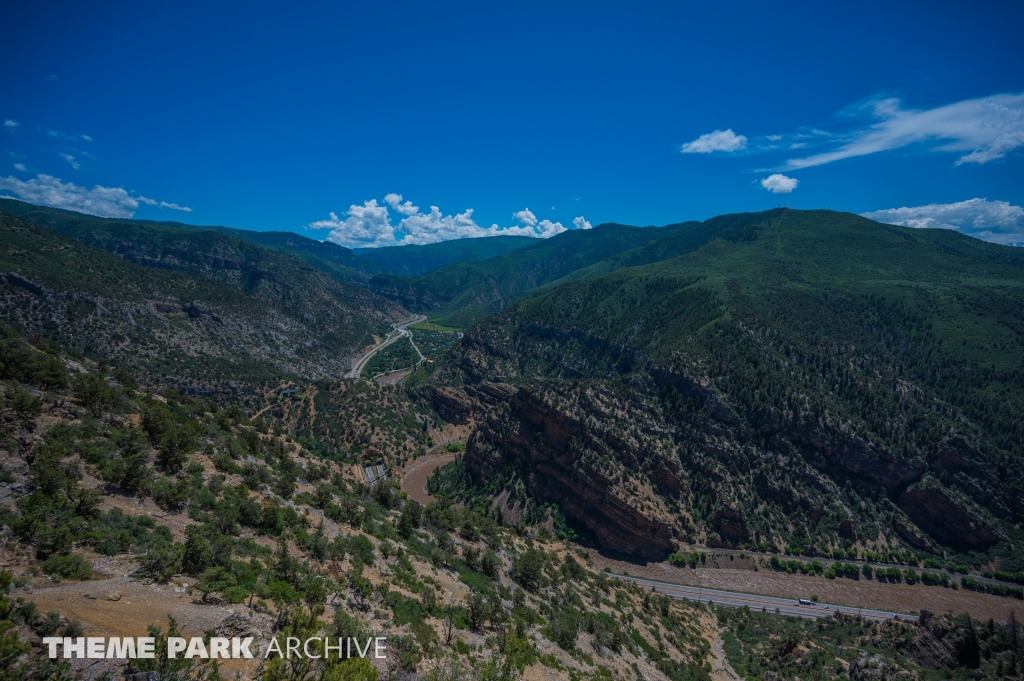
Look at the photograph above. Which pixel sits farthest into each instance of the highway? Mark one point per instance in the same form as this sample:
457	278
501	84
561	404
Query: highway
784	606
401	330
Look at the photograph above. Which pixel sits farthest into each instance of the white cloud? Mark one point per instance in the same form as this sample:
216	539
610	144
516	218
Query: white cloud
10	125
369	225
719	140
987	128
106	202
996	221
779	184
87	138
71	161
429	227
526	217
395	201
366	225
21	167
174	206
545	229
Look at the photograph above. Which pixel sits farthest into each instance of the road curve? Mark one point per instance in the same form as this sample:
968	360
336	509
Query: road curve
401	330
784	606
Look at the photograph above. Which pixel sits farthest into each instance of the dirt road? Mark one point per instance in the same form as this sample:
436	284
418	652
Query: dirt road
414	481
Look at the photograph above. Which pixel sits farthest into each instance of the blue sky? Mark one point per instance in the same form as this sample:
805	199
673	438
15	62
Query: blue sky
514	118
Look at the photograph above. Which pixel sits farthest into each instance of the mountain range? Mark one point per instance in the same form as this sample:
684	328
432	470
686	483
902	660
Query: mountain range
803	381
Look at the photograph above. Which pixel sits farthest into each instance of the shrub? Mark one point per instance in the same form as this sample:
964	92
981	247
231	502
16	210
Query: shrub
71	566
527	569
563	627
95	394
678	559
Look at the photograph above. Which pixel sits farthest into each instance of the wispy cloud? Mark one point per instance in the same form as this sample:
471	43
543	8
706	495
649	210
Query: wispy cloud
719	140
21	167
369	225
997	221
71	161
57	134
174	206
10	125
162	204
978	130
52	77
107	202
779	184
987	128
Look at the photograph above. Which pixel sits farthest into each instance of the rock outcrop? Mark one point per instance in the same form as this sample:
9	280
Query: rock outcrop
731	524
938	514
556	456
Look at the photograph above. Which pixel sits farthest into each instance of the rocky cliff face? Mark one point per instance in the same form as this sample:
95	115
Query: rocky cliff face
565	462
936	512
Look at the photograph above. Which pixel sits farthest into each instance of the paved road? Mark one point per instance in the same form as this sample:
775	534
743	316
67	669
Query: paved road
400	331
785	606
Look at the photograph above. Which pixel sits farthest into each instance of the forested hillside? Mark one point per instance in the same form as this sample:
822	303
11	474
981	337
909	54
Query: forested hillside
807	381
461	294
202	309
416	260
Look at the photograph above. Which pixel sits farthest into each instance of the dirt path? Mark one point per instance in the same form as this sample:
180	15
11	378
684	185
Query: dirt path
721	670
856	593
414	481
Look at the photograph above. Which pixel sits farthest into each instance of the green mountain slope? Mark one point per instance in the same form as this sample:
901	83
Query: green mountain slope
205	305
339	262
416	260
462	293
807	379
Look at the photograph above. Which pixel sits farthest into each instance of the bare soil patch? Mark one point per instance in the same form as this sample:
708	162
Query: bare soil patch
393	378
865	593
139	606
414	481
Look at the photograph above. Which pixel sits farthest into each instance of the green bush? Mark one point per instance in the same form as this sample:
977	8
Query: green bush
71	566
528	569
678	559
